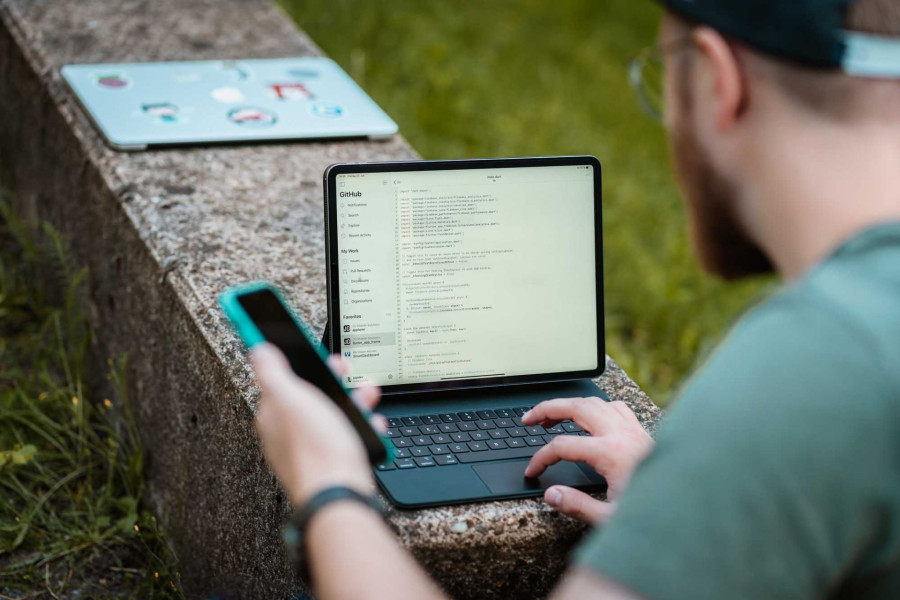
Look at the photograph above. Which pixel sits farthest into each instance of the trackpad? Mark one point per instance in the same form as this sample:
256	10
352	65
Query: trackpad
509	477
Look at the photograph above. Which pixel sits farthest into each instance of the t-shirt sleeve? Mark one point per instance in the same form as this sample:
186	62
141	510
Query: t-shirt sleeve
766	474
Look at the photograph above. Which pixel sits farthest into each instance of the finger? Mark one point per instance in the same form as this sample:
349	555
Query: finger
623	409
379	423
587	412
340	366
578	505
572	448
271	367
366	397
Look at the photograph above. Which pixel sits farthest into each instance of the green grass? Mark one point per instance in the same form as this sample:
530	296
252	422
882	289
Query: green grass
530	77
71	463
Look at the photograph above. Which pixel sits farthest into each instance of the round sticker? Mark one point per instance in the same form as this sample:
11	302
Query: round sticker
328	111
112	81
248	116
228	94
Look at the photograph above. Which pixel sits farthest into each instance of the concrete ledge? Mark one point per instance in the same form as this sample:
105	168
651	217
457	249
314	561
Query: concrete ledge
162	233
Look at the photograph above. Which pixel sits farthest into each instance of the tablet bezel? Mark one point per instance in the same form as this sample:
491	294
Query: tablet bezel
332	334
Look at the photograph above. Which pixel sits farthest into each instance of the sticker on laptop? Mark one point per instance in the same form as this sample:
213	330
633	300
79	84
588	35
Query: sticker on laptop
290	91
228	95
251	117
162	112
327	111
112	81
300	73
236	70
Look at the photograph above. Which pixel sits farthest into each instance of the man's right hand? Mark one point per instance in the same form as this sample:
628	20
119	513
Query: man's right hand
618	443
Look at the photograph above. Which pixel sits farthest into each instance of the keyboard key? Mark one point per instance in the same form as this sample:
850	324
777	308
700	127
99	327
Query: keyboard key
401	453
473	457
477	446
462	436
517	421
420	451
405	463
441	438
516	432
571	427
536	430
409	431
516	443
555	429
503	423
393	432
448	427
430	419
387	466
439	449
402	442
394	422
467	426
467	416
534	441
498	434
480	436
486	414
446	459
549	436
505	413
459	448
449	418
522	410
425	461
496	444
485	424
585	434
428	429
410	421
421	440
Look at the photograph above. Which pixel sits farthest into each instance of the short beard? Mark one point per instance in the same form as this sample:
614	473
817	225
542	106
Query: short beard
720	241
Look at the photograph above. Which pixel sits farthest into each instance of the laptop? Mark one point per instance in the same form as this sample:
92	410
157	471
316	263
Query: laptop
142	105
470	291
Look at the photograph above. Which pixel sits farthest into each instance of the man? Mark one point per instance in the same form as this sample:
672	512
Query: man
777	474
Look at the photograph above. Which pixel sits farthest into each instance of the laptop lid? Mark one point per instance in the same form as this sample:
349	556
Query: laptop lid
454	274
138	105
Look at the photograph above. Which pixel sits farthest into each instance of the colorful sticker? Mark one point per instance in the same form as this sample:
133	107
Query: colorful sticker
112	81
290	91
328	111
299	73
248	116
228	94
236	70
164	112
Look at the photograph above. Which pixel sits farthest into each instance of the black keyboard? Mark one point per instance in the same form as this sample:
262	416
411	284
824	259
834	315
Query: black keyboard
467	437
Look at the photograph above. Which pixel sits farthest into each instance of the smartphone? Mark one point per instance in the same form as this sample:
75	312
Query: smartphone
259	314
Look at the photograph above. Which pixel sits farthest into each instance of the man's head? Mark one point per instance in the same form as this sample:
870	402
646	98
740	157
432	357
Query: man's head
728	103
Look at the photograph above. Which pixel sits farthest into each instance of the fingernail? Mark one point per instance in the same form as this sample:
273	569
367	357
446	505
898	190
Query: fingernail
553	497
526	415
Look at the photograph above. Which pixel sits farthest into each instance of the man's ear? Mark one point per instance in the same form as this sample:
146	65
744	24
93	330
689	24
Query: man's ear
729	85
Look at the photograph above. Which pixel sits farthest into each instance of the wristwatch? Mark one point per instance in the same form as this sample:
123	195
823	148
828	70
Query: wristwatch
294	532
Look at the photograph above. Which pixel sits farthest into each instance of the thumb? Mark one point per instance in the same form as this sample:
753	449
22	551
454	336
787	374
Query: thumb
579	505
271	366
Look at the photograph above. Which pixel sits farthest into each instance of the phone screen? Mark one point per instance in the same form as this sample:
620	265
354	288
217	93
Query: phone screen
277	326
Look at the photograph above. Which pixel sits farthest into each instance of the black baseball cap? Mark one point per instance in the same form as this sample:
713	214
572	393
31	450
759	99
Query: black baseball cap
811	32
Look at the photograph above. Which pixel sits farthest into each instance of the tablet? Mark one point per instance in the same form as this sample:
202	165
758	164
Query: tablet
453	274
142	105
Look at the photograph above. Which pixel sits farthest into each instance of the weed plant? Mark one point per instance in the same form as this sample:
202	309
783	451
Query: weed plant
71	462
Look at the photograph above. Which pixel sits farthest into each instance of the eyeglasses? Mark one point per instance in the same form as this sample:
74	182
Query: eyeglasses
646	75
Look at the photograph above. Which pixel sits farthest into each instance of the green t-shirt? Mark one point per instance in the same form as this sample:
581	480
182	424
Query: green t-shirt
777	474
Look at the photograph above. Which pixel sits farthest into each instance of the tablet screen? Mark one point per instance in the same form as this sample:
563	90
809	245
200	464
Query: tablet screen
461	275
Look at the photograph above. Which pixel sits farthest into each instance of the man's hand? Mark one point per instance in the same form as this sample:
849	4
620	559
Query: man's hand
618	443
306	439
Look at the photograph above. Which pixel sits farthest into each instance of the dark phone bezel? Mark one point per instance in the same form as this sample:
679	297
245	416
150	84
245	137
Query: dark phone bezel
333	337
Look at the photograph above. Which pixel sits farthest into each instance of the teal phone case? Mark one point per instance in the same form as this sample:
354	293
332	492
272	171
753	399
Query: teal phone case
251	335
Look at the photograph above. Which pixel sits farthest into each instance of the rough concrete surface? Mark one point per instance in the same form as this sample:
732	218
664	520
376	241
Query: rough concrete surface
162	233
